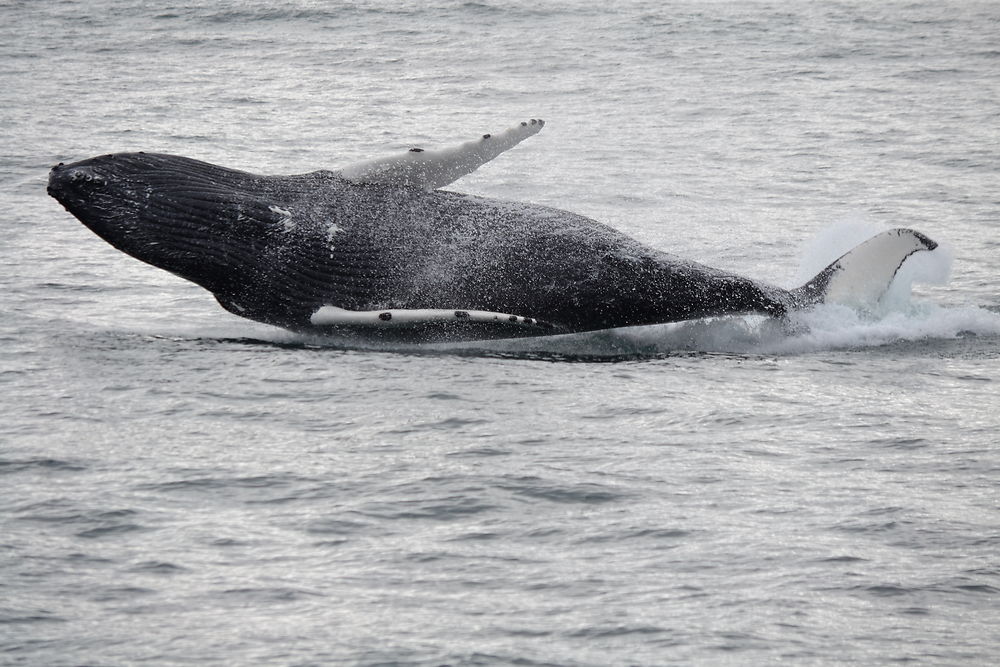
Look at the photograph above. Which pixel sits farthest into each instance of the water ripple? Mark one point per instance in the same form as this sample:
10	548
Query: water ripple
11	466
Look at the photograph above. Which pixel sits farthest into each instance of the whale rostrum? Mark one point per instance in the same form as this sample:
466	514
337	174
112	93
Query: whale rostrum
377	250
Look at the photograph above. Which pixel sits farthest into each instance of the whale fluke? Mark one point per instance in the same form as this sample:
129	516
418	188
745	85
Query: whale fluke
861	276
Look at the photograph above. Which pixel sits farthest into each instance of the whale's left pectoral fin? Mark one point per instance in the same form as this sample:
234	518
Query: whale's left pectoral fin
862	276
428	323
432	169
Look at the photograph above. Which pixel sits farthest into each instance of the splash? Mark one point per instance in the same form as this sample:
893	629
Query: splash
823	328
933	268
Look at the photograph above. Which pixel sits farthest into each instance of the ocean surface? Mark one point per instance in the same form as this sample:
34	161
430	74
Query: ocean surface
182	487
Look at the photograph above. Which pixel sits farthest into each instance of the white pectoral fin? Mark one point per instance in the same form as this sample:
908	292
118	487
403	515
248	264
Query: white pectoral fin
864	274
332	316
432	169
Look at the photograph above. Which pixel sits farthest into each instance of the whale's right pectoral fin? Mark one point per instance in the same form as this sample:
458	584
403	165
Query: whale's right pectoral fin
431	323
432	169
863	274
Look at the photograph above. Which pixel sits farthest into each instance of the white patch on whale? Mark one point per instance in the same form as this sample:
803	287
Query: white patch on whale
286	217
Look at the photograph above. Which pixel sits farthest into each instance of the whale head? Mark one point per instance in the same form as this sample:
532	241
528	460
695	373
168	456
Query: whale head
197	220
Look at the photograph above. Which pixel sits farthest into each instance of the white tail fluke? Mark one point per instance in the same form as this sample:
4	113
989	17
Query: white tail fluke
862	275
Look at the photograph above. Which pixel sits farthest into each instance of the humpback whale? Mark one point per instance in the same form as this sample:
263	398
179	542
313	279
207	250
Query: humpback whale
377	250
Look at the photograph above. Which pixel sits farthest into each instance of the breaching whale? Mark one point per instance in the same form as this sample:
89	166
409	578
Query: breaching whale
376	250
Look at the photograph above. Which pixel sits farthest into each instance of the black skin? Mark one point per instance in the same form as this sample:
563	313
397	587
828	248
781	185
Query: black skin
276	249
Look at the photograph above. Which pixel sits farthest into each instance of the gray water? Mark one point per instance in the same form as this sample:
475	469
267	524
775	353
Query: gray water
179	486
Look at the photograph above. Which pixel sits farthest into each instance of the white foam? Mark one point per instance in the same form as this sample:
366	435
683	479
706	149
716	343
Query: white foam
830	327
332	230
824	328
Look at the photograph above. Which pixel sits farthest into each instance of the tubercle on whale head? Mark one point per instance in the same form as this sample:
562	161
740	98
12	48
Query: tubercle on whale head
61	177
82	188
77	184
